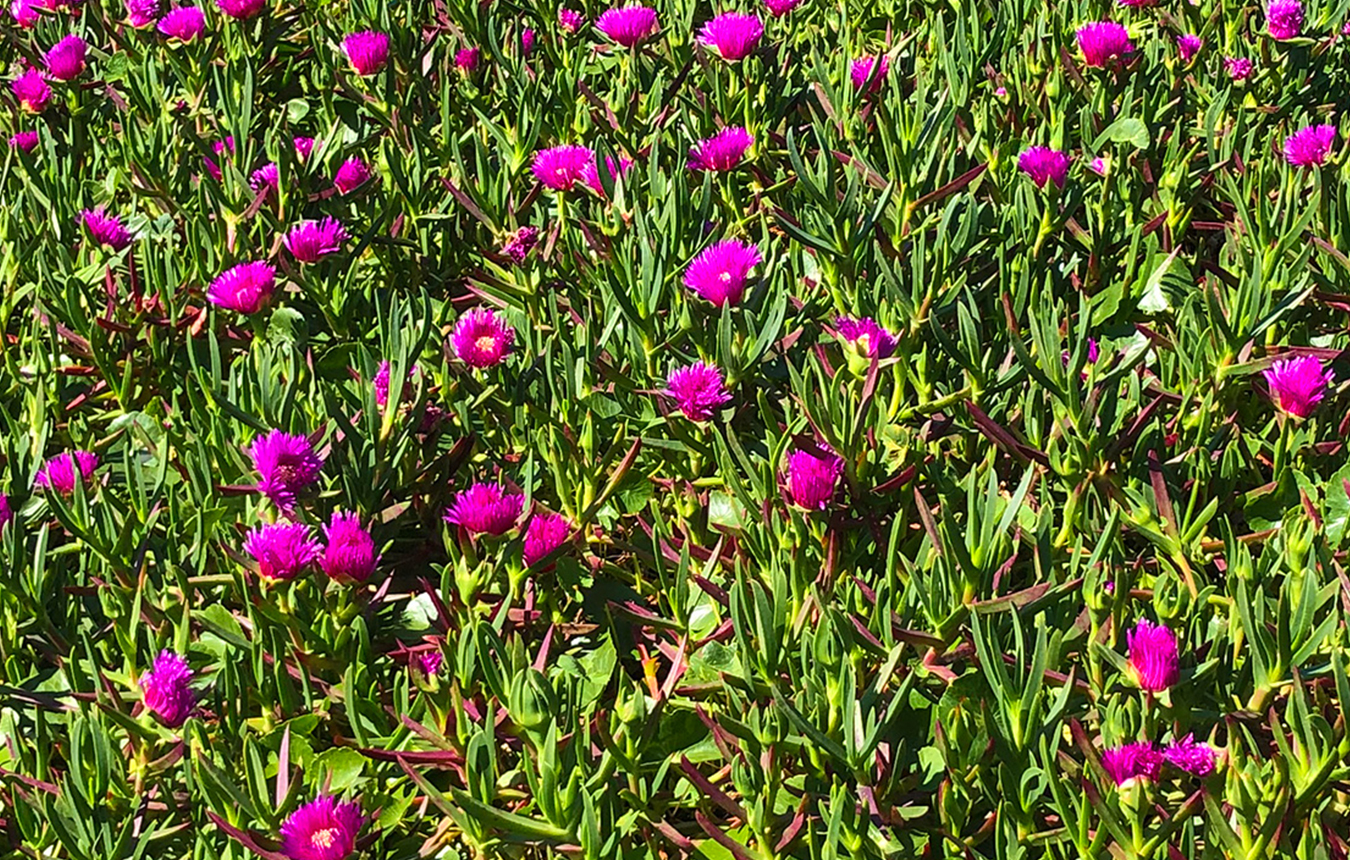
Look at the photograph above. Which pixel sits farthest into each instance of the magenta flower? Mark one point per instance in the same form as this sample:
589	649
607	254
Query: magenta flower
1196	759
6	512
468	59
267	177
303	147
282	550
544	534
25	13
721	152
481	338
590	174
866	336
1297	384
65	61
310	241
63	471
1284	19
245	289
1308	147
861	72
351	175
628	25
429	662
812	476
1137	4
24	140
1238	68
223	149
732	34
519	244
286	464
32	91
105	229
570	20
165	690
718	275
698	390
1188	46
381	383
350	556
1128	762
322	829
241	9
1093	353
1153	656
779	8
1044	165
142	13
1099	166
184	23
367	51
527	40
485	509
560	167
1103	41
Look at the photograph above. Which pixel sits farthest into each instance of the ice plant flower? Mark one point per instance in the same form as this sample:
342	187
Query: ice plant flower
105	229
223	149
1044	165
732	34
165	690
24	140
526	41
721	152
322	829
62	472
1297	384
1196	759
779	8
350	554
25	13
267	177
544	534
367	51
812	476
241	9
481	338
351	175
245	288
719	273
282	550
698	390
311	241
286	464
485	509
519	244
184	23
468	59
303	147
866	336
31	91
1099	166
1284	19
590	174
861	71
142	13
65	61
1103	41
570	20
1153	656
1238	68
560	167
1188	45
1308	147
628	25
1129	762
429	662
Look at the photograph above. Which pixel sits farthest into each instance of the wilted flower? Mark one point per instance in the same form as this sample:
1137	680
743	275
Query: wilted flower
1103	41
866	336
544	534
367	51
352	175
1297	384
241	8
165	689
429	662
286	464
527	40
60	473
485	509
1132	761
861	72
628	25
570	20
303	147
32	91
718	275
519	244
1308	147
732	34
481	338
282	550
1284	19
1153	656
1186	754
590	174
245	289
65	61
25	12
1188	46
468	59
267	177
779	8
322	829
812	476
1044	165
1238	68
698	390
105	229
141	13
310	241
560	167
184	23
24	140
350	555
721	152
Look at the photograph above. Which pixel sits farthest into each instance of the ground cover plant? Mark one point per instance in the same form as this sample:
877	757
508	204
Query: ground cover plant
798	430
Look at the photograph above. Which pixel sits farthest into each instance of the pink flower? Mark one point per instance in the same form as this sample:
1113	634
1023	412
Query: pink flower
105	229
812	476
698	390
303	147
779	8
367	51
322	829
429	662
1188	46
282	550
1153	656
223	149
350	555
1308	147
184	23
6	512
628	25
866	336
468	59
286	464
245	288
718	275
310	241
267	177
32	91
1044	165
560	167
721	152
732	34
527	40
241	9
1186	754
1132	761
544	534
1098	166
165	689
25	12
861	72
590	174
24	140
62	472
65	61
351	175
1103	41
1284	19
1238	68
481	338
519	244
142	13
570	20
1297	384
485	509
381	383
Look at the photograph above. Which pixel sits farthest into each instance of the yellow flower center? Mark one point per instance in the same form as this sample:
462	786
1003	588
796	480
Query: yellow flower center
486	343
324	838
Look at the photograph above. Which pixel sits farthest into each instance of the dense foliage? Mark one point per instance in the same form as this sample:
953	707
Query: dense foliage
877	429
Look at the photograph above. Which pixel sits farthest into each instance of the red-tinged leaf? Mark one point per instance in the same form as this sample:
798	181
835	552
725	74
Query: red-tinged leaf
244	838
